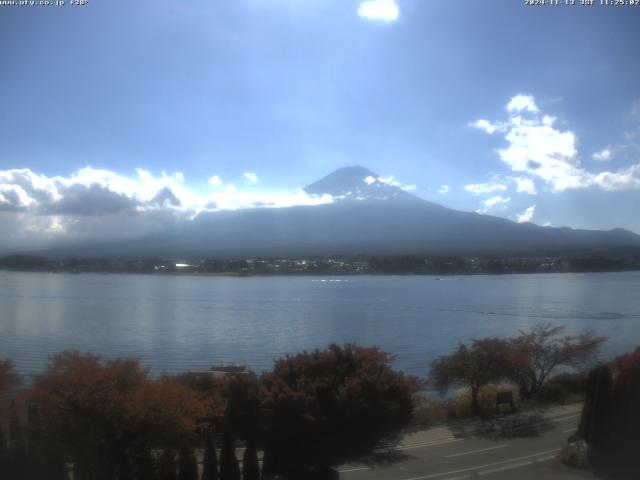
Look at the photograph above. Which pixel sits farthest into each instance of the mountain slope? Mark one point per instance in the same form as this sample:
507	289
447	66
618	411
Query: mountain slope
369	216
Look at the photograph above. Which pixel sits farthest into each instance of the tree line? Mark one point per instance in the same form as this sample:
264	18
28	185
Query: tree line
527	360
110	420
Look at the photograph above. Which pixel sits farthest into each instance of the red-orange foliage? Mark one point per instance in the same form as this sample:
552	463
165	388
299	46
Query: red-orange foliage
105	413
325	407
628	364
211	395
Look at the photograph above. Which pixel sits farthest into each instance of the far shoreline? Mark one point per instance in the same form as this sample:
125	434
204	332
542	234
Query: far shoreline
315	275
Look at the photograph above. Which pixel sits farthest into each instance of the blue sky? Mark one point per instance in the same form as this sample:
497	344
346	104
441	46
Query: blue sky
526	112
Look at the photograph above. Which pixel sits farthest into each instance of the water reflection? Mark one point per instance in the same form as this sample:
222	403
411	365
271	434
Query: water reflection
173	323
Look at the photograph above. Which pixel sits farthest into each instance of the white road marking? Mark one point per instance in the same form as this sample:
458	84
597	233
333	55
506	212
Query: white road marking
475	451
353	469
506	467
428	444
570	430
561	419
478	467
545	459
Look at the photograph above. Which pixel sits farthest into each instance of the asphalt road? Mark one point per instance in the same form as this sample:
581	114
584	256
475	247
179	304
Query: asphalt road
521	446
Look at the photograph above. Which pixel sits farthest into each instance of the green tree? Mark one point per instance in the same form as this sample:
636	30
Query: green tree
484	361
326	407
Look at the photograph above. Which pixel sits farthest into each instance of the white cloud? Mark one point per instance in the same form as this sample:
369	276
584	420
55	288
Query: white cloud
522	102
379	10
14	198
486	126
536	147
369	180
91	191
216	181
252	178
488	187
603	155
490	202
100	204
178	176
525	185
390	180
527	215
623	179
444	189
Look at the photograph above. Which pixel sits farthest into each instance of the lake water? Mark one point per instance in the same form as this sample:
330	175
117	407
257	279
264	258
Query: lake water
174	323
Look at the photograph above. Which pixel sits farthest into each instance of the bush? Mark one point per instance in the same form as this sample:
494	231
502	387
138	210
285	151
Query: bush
326	407
575	455
427	412
458	406
563	388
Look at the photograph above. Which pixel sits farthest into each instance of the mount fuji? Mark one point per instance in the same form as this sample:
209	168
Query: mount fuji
368	216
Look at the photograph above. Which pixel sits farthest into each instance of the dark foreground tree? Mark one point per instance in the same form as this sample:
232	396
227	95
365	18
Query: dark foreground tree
167	465
229	468
187	464
536	354
594	424
16	464
475	366
611	418
210	460
9	379
250	465
322	408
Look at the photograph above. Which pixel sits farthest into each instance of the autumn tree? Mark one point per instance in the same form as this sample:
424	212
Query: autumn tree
483	362
326	407
536	354
108	414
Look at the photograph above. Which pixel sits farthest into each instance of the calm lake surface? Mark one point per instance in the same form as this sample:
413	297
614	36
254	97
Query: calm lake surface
175	323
